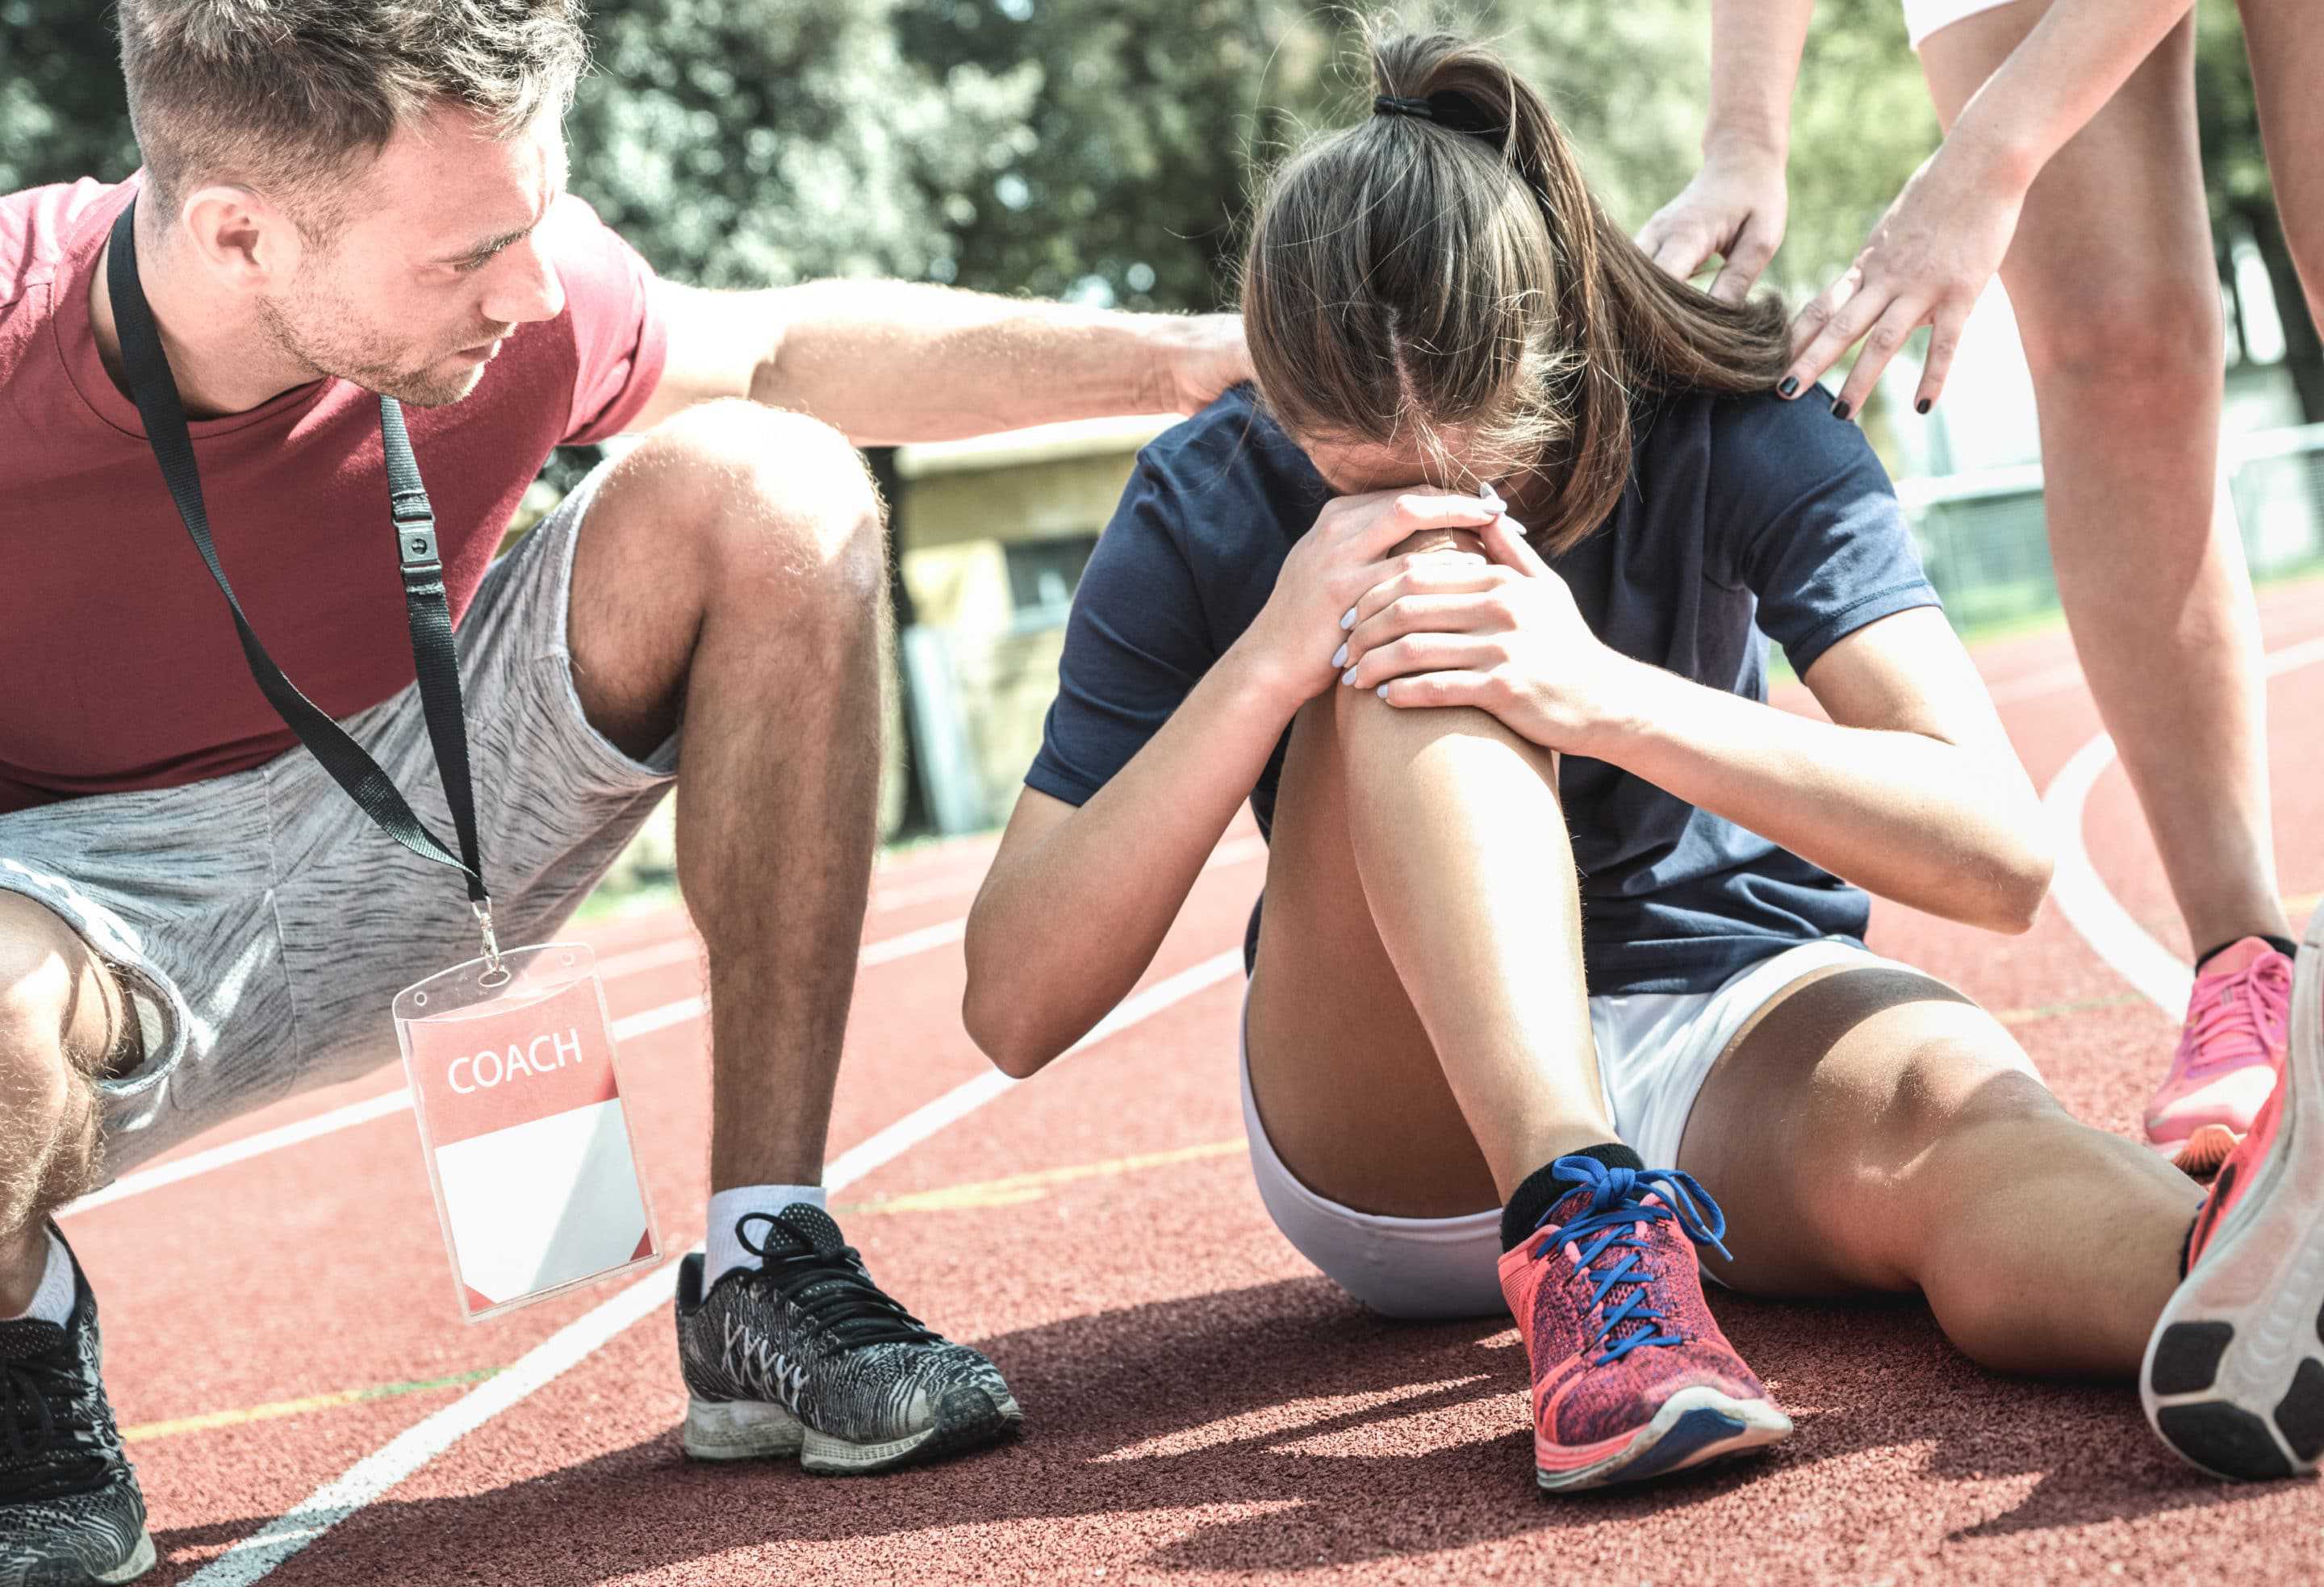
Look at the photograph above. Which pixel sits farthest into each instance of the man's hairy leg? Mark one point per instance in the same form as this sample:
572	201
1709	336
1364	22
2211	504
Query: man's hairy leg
732	575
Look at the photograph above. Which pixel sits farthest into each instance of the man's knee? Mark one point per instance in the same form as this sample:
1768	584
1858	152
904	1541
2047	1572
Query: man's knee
62	1017
770	496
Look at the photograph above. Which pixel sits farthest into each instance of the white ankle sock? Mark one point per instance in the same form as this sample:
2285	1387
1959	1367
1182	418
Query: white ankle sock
52	1302
723	1247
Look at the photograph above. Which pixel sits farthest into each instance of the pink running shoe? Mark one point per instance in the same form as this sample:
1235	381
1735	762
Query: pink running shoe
1631	1376
2228	1053
2234	1374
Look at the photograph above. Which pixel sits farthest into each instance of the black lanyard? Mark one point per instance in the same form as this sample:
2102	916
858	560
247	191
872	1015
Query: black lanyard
436	661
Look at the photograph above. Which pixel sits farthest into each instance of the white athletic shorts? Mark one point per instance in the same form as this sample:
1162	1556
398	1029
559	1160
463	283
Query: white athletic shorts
1653	1050
1923	17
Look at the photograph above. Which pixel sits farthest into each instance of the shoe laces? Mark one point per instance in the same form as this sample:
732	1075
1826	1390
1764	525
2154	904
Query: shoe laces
830	1287
1616	1216
41	1431
2249	1015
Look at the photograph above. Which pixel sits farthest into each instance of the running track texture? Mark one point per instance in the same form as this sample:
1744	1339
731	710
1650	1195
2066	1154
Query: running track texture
305	1405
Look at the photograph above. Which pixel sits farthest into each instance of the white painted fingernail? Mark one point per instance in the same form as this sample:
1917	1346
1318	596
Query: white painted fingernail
1340	656
1350	620
1381	691
1349	678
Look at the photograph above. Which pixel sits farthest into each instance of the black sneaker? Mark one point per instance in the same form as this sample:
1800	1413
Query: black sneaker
804	1355
70	1510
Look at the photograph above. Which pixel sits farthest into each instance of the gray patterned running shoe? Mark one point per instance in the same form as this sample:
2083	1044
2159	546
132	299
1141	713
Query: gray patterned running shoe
804	1355
70	1510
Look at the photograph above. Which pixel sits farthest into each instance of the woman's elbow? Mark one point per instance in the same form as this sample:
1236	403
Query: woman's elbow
995	1022
2021	880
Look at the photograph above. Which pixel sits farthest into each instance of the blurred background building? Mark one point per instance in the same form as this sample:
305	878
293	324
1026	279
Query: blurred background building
1102	151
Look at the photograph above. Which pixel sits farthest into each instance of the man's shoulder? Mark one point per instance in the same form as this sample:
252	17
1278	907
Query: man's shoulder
35	225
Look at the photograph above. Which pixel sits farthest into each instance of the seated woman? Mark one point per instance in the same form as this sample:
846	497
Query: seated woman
1462	600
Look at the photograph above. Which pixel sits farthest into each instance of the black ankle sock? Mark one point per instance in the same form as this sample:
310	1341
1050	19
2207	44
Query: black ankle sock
2281	945
1543	1190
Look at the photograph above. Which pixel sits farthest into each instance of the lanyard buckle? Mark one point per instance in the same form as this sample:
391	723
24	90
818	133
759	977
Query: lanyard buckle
484	911
415	529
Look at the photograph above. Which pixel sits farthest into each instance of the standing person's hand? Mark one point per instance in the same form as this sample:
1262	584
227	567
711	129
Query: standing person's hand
1734	207
1925	263
1333	564
1505	636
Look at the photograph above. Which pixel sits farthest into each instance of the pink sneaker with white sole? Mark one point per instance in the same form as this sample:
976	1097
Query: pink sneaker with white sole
2238	1022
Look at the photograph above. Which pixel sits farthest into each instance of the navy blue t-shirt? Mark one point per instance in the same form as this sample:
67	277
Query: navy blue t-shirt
1743	516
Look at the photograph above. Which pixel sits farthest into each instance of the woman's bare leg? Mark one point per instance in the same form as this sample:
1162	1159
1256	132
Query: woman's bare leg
1871	1129
2112	277
1419	1033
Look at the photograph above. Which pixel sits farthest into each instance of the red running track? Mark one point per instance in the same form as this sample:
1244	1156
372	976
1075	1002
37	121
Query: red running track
1200	1405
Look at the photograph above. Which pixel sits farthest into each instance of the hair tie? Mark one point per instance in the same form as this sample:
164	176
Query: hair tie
1447	107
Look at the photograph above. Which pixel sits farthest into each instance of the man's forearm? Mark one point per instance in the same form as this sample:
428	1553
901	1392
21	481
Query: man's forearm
889	362
1755	61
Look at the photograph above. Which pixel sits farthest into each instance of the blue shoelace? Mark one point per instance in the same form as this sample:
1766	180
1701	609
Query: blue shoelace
1617	1208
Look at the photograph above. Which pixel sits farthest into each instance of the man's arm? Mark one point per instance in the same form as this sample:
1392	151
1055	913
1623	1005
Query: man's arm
889	362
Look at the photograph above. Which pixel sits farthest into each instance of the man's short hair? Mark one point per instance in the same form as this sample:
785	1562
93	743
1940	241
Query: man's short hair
287	96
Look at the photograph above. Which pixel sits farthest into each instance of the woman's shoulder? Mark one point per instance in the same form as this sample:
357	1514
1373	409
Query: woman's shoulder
1229	470
1759	435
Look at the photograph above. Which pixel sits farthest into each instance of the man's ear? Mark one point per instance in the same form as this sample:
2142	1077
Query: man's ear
239	237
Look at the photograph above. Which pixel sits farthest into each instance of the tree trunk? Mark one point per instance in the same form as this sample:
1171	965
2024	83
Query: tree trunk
2303	355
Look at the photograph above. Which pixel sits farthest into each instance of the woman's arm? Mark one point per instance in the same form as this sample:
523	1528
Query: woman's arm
1911	790
1931	254
1735	204
1077	900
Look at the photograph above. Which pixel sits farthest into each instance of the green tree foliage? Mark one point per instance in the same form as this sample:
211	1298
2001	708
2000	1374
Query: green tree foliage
752	143
62	114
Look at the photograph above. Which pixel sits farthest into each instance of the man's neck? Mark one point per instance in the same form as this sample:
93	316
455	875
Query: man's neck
227	367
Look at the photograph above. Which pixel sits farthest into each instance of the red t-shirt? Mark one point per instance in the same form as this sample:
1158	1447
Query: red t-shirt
119	668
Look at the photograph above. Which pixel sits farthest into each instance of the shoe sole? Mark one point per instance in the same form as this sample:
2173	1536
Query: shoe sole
2202	1153
966	1418
1693	1427
140	1561
2233	1379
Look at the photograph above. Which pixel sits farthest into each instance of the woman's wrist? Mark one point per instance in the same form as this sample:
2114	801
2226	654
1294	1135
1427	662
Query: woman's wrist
1261	682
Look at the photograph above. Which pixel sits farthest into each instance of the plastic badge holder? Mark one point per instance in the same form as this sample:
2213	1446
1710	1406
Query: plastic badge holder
529	1147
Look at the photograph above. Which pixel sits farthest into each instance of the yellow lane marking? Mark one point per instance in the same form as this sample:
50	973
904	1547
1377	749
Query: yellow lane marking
1019	1188
146	1432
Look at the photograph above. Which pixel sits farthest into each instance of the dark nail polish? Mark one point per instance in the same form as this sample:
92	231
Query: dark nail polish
1791	383
1841	409
1922	406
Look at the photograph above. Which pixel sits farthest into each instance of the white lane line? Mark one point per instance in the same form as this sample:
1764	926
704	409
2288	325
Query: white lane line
257	1556
398	1101
885	951
2083	897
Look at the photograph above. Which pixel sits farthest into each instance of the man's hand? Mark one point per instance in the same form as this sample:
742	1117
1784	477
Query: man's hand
1196	357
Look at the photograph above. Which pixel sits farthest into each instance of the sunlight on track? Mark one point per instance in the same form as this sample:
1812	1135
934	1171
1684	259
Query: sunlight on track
257	1556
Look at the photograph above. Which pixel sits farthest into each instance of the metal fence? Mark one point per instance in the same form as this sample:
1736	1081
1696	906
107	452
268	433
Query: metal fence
978	698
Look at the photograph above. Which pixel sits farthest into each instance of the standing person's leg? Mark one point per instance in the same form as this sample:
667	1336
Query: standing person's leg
731	577
2285	39
2117	294
1426	1114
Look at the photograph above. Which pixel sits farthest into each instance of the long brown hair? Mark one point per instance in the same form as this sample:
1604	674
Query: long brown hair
1405	278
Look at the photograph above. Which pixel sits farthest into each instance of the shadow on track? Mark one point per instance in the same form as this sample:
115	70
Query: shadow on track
1310	1433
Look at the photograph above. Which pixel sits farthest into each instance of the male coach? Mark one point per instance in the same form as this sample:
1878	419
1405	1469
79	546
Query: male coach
344	197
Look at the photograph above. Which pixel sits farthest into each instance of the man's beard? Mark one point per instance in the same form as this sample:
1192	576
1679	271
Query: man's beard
362	359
